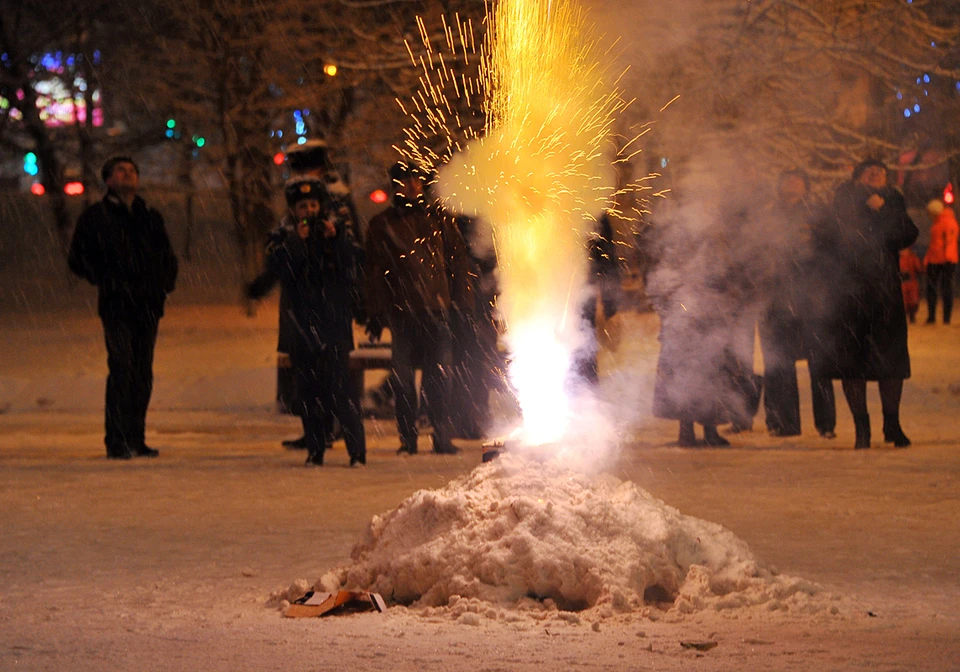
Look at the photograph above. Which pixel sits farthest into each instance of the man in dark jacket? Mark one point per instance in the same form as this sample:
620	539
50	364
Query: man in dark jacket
121	246
417	271
318	268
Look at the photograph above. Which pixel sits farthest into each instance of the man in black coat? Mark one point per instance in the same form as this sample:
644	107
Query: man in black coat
417	273
318	267
121	246
790	324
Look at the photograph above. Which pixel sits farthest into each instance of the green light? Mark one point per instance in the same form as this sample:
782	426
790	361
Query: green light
30	158
171	123
201	142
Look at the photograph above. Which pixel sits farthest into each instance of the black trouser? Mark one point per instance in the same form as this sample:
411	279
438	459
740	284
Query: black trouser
326	391
824	401
422	343
940	276
781	394
130	343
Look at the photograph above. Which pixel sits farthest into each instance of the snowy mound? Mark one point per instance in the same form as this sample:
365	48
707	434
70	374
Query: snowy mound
514	529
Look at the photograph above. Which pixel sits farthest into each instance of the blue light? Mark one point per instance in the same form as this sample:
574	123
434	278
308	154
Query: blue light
906	113
306	112
301	141
31	169
50	62
916	108
169	133
297	114
301	129
96	57
926	79
663	162
899	96
272	133
279	134
933	44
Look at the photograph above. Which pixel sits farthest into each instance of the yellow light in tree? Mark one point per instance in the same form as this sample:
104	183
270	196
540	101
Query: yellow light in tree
330	69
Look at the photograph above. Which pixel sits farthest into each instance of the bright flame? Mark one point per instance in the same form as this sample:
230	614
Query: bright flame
539	177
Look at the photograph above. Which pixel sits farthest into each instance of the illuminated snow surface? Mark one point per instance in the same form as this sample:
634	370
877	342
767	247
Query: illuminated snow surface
536	536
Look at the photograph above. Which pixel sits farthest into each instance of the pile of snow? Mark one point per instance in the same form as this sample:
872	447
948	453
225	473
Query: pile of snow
516	531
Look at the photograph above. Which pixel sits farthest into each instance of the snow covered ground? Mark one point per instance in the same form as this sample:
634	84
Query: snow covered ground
168	564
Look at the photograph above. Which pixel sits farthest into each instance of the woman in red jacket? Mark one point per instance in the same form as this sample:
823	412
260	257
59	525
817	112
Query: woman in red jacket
941	259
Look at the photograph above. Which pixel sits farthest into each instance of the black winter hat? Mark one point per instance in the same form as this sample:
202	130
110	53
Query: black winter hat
863	165
311	155
107	170
304	188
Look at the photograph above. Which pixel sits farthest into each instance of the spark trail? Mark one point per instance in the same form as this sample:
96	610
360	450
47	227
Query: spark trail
539	174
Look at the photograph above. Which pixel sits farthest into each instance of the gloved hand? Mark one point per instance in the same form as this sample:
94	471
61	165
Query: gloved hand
374	328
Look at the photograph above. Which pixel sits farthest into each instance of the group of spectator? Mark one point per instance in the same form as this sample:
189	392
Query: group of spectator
817	283
830	287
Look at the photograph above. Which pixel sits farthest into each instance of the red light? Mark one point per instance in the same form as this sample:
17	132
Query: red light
73	188
378	196
948	194
37	189
278	158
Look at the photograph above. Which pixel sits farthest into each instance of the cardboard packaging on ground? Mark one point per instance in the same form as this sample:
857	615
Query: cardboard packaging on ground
341	602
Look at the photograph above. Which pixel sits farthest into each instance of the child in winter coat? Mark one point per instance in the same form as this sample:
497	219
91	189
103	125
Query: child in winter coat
910	270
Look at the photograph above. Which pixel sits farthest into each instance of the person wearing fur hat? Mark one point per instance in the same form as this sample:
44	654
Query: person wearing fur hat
417	272
940	260
318	266
868	337
121	246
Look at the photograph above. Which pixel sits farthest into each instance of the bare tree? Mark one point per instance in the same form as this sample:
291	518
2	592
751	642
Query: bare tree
235	70
819	84
30	34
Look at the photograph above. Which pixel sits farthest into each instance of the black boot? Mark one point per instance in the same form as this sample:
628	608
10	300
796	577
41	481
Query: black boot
315	459
712	438
687	438
862	425
407	447
892	432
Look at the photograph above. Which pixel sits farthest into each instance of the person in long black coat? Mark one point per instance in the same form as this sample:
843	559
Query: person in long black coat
868	339
121	246
319	267
698	371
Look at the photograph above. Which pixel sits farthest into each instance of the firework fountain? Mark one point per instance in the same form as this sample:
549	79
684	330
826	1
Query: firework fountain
538	176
